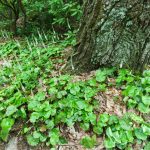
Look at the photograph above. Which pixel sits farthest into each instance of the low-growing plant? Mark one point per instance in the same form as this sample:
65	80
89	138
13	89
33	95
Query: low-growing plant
136	91
43	101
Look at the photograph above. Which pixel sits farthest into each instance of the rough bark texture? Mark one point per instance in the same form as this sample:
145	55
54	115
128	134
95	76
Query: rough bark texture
113	33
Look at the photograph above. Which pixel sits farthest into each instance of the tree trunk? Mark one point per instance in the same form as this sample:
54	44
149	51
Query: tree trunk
14	27
14	23
113	33
22	8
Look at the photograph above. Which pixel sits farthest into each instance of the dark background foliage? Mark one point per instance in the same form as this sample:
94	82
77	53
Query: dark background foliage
22	16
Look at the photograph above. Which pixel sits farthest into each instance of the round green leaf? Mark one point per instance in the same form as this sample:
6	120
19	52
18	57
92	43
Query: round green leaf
98	130
32	141
146	100
140	134
143	108
11	110
109	143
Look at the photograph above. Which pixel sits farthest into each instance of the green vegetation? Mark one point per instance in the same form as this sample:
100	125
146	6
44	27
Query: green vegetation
24	17
43	101
49	106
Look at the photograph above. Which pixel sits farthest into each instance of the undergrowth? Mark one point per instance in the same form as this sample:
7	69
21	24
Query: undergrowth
44	101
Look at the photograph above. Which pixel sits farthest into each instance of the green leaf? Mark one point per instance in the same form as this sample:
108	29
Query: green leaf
36	134
123	137
121	146
146	129
145	81
129	79
54	136
116	136
128	148
53	91
88	142
102	87
11	110
85	126
92	118
147	146
136	118
43	138
89	108
89	93
6	126
75	89
34	117
143	108
92	82
53	148
33	105
132	91
61	94
125	124
59	117
113	119
129	135
21	113
50	124
46	114
109	143
140	134
109	132
100	76
25	130
32	141
146	73
40	96
98	130
63	140
147	89
103	119
132	103
146	100
81	104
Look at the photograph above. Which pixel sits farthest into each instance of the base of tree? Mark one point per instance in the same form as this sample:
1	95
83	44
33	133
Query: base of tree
114	37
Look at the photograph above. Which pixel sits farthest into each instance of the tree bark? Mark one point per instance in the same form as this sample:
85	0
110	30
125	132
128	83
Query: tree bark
22	8
113	33
14	26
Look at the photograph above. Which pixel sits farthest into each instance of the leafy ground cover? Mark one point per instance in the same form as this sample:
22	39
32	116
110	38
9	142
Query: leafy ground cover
107	108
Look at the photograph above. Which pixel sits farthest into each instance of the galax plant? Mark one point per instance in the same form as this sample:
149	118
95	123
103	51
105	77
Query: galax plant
30	93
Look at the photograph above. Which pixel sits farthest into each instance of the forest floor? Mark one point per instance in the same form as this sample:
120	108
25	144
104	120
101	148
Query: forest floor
47	107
